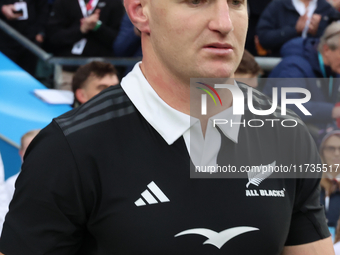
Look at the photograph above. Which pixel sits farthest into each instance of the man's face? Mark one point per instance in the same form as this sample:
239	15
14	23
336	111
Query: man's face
94	85
331	152
198	38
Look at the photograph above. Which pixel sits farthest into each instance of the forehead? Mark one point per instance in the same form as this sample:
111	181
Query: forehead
334	140
109	79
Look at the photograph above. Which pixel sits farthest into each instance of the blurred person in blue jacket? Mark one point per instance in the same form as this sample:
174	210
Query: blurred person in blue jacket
311	58
283	20
128	41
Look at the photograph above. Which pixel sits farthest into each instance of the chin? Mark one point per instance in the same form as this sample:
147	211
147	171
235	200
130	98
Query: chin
218	73
215	68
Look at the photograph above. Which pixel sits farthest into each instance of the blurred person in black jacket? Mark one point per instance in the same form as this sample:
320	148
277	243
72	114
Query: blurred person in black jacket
255	8
29	18
283	20
85	28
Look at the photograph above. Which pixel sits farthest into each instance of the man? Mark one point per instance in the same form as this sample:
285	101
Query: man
83	28
116	180
283	20
92	78
29	18
319	61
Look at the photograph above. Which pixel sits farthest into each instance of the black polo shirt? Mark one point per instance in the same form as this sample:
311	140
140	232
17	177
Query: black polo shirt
101	180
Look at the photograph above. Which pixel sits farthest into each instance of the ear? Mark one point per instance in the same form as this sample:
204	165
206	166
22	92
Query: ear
137	11
81	96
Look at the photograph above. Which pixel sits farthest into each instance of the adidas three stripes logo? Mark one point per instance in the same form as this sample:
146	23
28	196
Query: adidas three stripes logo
151	195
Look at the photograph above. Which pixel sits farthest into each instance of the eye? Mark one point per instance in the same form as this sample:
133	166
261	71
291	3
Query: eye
197	2
236	2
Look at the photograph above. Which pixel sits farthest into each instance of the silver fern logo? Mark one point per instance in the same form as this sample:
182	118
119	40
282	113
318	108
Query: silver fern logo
259	174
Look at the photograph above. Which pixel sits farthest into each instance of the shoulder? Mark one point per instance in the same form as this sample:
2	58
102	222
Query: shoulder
324	6
278	5
111	104
293	66
296	61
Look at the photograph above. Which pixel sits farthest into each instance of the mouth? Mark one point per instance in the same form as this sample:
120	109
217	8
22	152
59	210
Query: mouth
219	48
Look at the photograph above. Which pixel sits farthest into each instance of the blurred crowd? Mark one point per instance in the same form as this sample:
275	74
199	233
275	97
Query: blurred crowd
304	33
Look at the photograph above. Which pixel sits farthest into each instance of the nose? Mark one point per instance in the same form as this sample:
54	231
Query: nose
221	21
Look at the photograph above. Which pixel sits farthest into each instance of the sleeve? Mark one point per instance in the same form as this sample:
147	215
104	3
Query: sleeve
267	29
47	214
108	32
2	16
308	222
42	16
2	3
61	29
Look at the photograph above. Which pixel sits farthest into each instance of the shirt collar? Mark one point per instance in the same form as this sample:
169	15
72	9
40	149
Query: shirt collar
229	130
301	8
170	123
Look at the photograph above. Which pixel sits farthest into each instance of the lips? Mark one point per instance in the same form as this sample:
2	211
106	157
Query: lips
225	46
219	49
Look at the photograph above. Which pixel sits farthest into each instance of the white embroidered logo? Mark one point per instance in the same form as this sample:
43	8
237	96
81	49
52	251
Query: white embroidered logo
259	174
149	198
215	238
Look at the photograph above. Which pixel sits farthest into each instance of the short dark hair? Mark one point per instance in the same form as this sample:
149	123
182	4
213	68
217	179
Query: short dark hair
249	65
96	68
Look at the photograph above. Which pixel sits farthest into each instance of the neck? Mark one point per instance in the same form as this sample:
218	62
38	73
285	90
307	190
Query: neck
171	90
